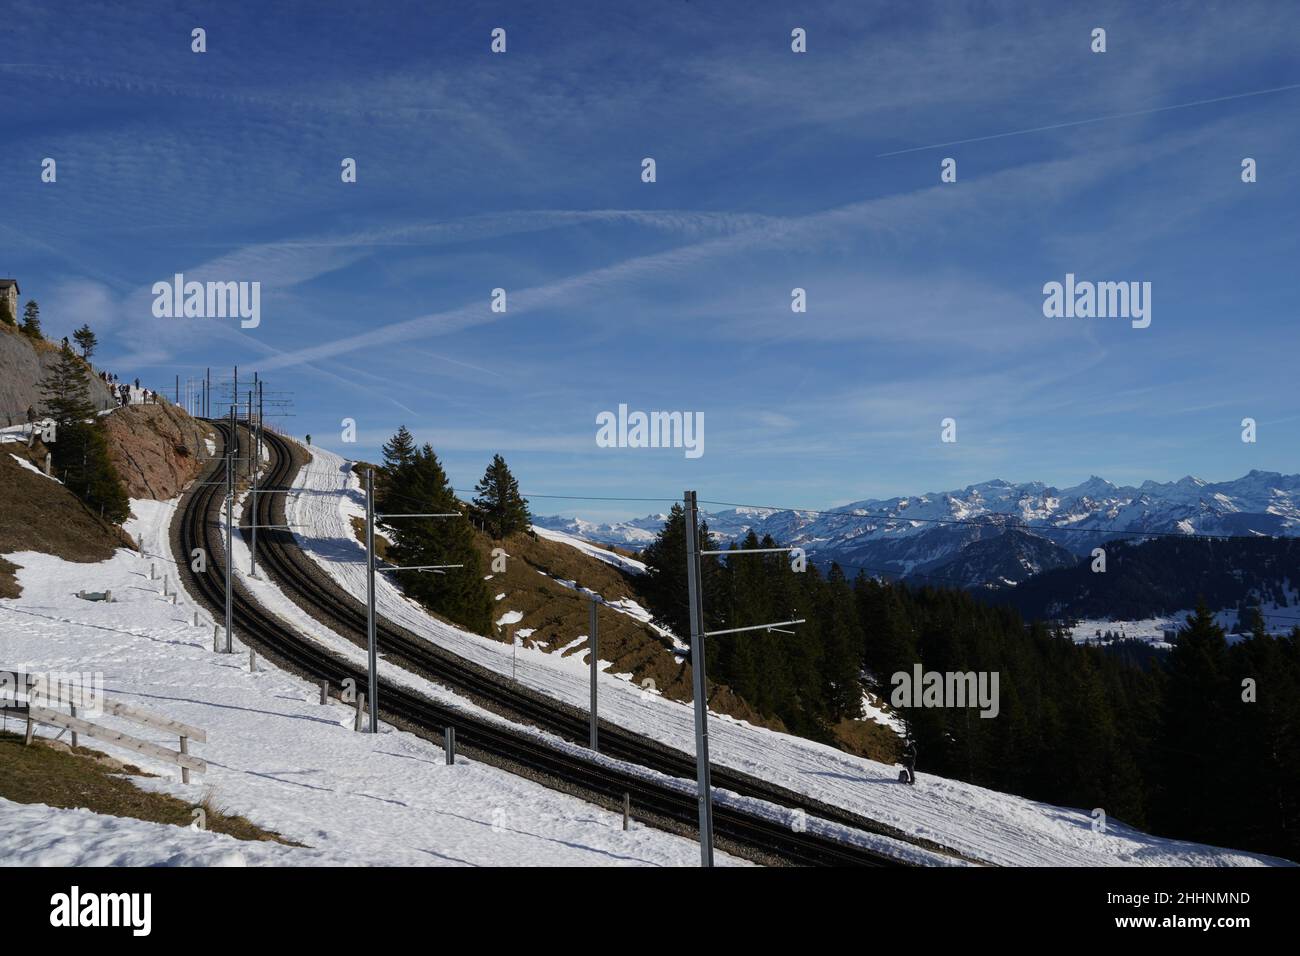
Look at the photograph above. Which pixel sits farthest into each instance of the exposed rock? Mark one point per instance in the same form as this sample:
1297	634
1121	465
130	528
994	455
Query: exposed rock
156	448
23	363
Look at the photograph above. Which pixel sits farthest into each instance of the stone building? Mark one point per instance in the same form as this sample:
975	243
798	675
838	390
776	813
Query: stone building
9	293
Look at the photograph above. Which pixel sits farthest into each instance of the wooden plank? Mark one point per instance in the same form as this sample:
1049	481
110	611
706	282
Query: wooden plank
157	721
139	715
84	727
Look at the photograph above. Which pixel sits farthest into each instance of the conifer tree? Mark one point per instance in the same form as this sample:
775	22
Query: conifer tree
1192	730
79	447
400	449
31	326
86	340
841	642
399	455
66	390
666	581
498	503
458	594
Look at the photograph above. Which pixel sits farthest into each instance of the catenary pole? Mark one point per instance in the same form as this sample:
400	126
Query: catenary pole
230	507
593	654
703	783
255	441
370	600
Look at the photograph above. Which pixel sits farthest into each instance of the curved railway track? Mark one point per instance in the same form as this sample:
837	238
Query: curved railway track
671	808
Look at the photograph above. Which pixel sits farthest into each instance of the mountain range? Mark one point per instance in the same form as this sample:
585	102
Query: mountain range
992	534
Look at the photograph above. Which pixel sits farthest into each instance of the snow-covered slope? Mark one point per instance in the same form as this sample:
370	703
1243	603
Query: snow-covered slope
985	824
275	755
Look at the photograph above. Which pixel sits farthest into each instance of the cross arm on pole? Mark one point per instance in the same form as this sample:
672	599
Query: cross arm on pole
454	514
751	551
420	567
756	627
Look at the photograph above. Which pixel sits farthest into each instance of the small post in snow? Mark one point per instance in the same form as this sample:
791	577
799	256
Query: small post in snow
449	744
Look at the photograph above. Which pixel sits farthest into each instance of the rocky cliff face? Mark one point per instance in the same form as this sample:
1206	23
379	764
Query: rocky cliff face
156	448
23	364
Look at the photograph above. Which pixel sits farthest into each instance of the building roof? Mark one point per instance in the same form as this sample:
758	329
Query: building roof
6	283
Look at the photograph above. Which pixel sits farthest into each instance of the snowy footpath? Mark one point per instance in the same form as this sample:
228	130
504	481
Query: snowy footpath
275	755
987	825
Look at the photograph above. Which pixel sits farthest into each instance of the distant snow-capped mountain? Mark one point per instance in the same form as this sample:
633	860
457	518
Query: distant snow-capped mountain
995	532
634	534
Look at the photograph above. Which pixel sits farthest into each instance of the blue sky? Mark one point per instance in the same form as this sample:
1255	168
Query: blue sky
775	170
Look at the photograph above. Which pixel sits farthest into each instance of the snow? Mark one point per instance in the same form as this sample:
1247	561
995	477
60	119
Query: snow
274	754
629	565
32	468
37	835
871	710
1278	620
987	825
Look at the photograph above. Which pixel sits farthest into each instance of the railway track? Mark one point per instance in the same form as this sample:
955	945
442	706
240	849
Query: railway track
671	807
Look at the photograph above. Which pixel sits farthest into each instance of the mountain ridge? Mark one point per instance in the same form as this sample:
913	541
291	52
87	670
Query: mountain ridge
922	534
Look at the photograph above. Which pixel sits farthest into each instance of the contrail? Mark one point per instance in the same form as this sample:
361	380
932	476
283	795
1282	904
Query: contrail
1095	119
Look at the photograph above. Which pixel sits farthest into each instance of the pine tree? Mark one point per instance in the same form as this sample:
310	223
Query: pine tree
459	593
86	340
842	643
32	320
666	581
66	390
400	449
399	454
1193	727
497	500
731	658
79	446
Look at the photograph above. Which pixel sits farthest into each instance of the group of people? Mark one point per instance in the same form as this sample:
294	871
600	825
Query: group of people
147	397
122	390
